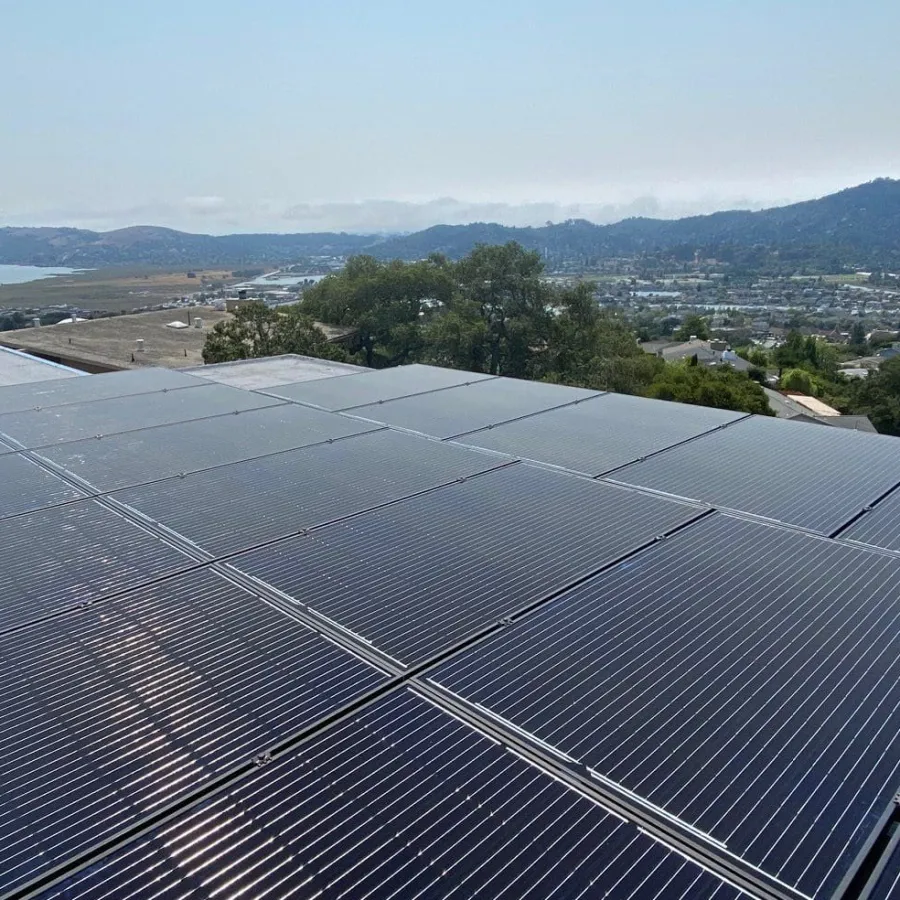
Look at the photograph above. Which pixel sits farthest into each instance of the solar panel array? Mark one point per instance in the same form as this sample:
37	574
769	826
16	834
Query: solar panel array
363	637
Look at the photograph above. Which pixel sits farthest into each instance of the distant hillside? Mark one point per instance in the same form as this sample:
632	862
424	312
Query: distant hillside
858	227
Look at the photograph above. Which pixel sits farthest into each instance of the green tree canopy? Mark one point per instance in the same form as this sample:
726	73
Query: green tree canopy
258	331
693	326
721	387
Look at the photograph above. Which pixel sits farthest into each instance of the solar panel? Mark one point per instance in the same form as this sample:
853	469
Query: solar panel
57	558
141	456
601	435
112	711
416	577
880	527
14	398
234	507
817	478
458	410
25	486
400	801
744	677
75	421
374	386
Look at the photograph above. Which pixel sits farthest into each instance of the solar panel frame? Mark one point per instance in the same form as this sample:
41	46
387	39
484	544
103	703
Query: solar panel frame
375	386
774	469
459	410
25	486
59	557
880	526
401	800
238	506
33	429
139	457
415	577
126	706
658	673
57	392
603	435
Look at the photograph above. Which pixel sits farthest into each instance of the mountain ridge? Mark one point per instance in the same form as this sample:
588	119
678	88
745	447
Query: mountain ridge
857	226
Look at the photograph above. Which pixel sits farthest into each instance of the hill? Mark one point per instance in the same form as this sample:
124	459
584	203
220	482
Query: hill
857	227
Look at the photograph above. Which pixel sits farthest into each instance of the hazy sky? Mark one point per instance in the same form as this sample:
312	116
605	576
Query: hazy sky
292	115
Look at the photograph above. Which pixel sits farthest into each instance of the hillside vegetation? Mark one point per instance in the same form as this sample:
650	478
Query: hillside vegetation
858	227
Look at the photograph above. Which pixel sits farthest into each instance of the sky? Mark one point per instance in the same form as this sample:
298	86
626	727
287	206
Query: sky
384	115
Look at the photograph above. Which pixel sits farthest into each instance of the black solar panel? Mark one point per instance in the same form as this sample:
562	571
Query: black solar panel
418	576
25	486
234	507
454	411
880	527
138	457
818	478
14	398
110	712
75	421
744	677
374	386
401	801
56	558
601	435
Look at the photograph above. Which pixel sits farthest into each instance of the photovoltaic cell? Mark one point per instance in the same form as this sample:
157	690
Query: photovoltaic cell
112	711
234	507
880	527
75	421
458	410
417	576
817	478
744	677
25	486
601	435
375	385
400	801
14	398
57	558
138	457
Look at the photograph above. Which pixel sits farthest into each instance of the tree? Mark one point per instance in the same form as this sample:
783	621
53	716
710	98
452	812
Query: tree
693	326
720	387
878	397
384	303
505	285
258	331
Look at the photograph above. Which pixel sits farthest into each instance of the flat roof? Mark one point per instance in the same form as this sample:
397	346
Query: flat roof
814	405
17	367
111	342
273	371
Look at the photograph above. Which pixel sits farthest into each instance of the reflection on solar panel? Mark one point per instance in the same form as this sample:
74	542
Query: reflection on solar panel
235	507
14	398
374	386
744	677
771	468
111	711
459	410
401	801
25	486
56	558
138	457
880	527
420	575
74	421
595	437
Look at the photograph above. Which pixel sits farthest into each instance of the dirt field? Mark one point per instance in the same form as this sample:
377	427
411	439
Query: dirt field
112	290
